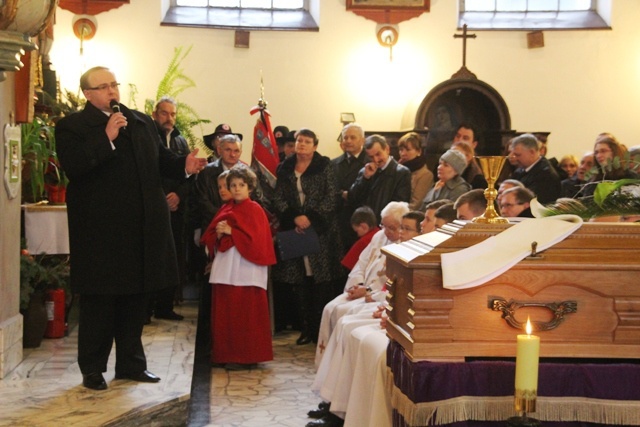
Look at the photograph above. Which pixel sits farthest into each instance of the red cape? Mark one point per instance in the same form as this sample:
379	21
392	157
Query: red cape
251	234
351	258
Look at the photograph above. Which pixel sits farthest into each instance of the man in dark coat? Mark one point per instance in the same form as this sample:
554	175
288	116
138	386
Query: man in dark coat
535	171
346	168
119	226
206	186
572	187
176	191
382	180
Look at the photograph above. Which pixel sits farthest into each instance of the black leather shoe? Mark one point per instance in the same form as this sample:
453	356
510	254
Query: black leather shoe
141	377
328	420
317	413
303	339
94	381
172	315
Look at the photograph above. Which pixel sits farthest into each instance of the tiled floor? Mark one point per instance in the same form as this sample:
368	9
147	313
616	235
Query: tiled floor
278	393
45	389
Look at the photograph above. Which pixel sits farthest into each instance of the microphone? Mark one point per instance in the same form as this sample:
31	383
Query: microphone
115	107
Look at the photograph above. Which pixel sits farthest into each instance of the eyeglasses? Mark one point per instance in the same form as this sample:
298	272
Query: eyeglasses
391	228
403	228
510	205
105	86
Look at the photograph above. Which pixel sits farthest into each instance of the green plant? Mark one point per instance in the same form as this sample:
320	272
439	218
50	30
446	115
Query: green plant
36	137
620	197
40	157
173	84
39	273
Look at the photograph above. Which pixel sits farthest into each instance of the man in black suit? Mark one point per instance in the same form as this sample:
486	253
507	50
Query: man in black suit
119	225
380	181
534	171
346	169
164	115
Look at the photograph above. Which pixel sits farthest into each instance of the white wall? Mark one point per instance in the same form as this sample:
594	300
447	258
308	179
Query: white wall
580	84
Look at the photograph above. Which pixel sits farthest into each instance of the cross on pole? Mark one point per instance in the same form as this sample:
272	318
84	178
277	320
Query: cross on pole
464	36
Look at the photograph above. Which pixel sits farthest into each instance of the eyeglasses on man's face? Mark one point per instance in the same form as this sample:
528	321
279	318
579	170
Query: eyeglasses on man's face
105	86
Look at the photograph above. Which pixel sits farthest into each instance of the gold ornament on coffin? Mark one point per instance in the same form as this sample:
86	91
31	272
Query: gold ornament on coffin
491	167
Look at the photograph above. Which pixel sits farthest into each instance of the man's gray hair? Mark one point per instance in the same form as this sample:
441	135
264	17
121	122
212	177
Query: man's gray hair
527	140
356	126
164	99
373	139
395	210
231	138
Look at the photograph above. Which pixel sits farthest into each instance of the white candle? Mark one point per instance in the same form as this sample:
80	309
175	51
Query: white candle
527	358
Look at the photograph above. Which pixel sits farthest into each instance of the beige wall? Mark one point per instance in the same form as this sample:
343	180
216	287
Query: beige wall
10	318
580	84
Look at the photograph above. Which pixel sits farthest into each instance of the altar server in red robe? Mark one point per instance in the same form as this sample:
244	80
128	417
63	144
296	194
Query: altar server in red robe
241	238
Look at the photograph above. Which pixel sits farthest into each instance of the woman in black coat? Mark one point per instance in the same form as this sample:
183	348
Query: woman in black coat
305	196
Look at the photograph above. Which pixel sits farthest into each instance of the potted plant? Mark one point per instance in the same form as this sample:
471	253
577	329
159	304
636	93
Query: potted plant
39	274
41	168
35	157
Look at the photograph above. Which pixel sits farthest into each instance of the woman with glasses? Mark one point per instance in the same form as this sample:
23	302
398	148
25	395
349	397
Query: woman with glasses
609	155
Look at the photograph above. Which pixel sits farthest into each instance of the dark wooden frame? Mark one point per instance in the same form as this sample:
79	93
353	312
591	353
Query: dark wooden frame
384	5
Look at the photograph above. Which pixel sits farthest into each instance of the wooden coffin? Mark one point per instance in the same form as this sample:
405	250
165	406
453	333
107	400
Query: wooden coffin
583	296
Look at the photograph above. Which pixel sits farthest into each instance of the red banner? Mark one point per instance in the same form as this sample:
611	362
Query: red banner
264	157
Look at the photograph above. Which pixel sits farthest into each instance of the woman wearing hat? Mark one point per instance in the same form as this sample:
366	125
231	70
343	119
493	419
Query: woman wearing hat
450	184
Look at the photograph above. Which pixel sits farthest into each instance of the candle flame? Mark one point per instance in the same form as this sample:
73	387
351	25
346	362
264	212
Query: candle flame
528	327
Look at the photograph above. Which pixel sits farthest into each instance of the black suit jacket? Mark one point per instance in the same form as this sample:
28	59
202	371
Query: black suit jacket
542	179
393	184
181	187
346	173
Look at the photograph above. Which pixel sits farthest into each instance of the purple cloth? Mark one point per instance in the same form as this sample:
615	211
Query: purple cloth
435	381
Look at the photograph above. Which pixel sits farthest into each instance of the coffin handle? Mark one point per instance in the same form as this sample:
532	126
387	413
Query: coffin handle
508	309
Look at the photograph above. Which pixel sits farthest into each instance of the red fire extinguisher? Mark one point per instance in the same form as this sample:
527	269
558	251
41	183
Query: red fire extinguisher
55	313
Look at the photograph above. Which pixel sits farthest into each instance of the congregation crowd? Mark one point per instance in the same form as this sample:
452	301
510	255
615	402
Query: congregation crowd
224	218
356	203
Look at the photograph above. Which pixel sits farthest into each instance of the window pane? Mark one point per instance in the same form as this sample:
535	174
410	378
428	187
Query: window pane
543	5
256	4
512	5
575	5
192	3
288	4
479	5
224	3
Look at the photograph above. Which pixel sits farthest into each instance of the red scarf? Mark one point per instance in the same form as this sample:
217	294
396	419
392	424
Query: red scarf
251	234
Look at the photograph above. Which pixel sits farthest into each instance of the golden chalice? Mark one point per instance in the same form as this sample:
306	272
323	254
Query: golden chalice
491	168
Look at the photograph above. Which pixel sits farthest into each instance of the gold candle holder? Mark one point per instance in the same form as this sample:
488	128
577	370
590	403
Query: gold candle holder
491	168
525	401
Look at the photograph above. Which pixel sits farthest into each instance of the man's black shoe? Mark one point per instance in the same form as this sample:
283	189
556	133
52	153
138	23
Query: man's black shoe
94	381
329	420
303	339
142	377
323	409
317	413
172	315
